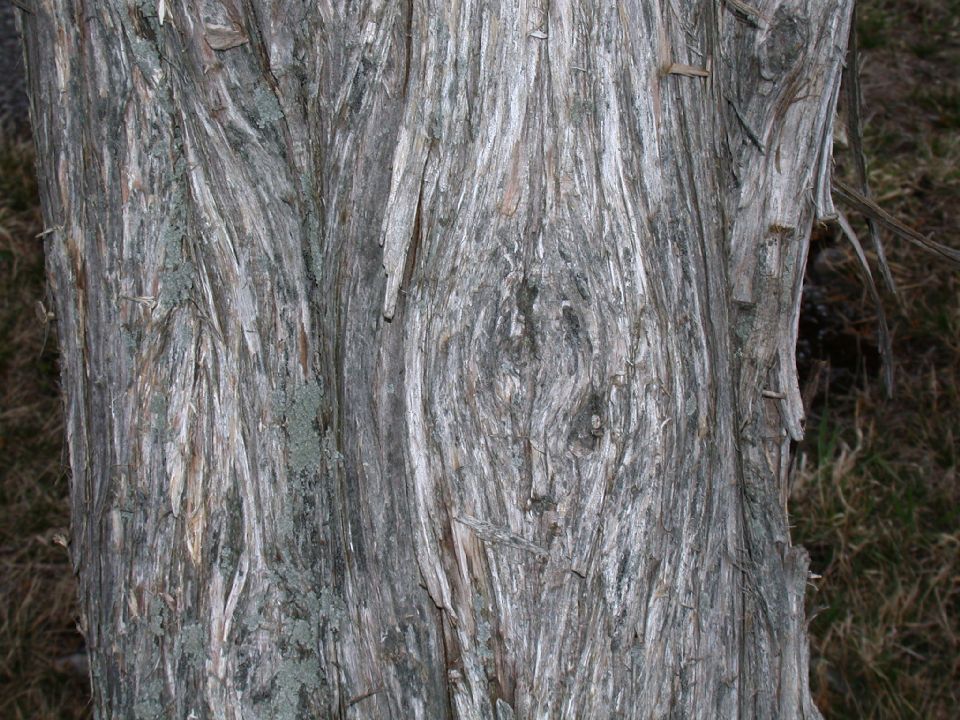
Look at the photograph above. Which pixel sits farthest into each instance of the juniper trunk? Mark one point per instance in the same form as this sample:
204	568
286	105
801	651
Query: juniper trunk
434	360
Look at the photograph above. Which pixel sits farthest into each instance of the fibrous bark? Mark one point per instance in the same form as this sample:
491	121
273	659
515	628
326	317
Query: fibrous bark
435	359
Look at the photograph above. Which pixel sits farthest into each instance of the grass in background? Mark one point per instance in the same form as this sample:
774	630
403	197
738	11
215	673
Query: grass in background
876	497
37	589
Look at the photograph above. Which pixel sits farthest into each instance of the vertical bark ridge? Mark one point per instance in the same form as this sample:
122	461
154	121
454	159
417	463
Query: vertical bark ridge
491	341
782	112
391	652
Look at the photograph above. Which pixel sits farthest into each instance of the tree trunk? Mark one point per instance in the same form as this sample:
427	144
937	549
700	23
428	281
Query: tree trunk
434	360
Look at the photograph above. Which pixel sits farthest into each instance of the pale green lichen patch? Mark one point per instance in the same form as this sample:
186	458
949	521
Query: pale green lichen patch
178	273
155	617
231	532
331	454
130	338
158	413
302	634
148	708
484	630
149	704
295	678
303	433
177	282
332	608
298	687
193	640
266	107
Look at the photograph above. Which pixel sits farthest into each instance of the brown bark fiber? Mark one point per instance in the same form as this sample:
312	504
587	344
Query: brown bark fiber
434	359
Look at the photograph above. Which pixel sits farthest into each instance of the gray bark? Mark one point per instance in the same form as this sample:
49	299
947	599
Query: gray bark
435	359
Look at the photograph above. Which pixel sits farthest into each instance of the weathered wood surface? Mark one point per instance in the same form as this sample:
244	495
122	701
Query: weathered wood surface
552	484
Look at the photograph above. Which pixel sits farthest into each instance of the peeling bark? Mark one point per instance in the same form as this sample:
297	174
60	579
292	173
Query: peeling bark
435	359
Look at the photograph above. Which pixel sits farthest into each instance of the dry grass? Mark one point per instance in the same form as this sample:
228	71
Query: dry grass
37	587
877	499
879	509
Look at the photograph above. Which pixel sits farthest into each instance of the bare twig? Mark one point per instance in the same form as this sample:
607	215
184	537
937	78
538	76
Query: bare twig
869	208
851	81
883	331
23	6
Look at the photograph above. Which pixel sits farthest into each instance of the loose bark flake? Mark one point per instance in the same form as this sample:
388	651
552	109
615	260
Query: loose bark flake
463	383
